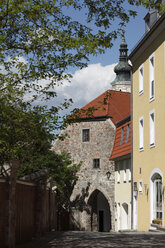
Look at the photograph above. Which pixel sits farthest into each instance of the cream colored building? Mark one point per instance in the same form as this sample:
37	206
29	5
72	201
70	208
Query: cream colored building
148	91
121	154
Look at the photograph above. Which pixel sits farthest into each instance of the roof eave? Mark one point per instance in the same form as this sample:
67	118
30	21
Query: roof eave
125	156
126	119
146	36
92	118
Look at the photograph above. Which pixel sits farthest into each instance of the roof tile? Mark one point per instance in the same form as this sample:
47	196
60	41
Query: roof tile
113	104
124	148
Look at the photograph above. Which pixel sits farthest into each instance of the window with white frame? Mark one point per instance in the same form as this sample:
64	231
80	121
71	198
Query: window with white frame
141	133
129	169
124	171
152	128
127	134
118	172
140	79
140	186
122	134
151	79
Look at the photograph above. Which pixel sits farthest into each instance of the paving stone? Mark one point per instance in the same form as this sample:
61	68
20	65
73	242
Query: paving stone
73	239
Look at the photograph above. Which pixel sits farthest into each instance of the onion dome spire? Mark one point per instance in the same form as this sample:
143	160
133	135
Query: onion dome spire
122	69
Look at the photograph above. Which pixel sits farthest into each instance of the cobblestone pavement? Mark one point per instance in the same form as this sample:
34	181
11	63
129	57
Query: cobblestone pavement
72	239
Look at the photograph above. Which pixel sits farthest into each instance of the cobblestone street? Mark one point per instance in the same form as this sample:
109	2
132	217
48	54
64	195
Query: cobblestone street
72	239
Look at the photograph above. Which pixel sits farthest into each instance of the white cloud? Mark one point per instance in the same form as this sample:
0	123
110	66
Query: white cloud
87	84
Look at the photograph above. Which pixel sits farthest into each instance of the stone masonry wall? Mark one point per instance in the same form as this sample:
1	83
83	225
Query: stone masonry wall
102	134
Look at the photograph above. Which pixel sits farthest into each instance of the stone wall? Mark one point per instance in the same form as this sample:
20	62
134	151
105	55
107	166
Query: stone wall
102	134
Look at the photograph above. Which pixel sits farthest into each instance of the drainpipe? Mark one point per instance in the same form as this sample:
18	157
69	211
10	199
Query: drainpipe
131	151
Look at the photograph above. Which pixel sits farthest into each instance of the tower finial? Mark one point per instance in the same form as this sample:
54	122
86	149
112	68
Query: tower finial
123	36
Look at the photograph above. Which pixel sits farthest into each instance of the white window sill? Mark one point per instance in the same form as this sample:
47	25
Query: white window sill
141	149
124	181
152	145
140	92
152	99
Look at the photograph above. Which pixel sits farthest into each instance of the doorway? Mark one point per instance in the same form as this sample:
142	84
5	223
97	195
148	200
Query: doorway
101	220
124	217
135	211
100	212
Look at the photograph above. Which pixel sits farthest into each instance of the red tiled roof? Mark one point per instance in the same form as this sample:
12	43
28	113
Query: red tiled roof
125	147
117	107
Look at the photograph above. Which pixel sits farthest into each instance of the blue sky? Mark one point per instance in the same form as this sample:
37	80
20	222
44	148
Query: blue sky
92	81
133	32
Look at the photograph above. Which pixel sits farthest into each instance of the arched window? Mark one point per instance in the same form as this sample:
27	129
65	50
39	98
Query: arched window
157	196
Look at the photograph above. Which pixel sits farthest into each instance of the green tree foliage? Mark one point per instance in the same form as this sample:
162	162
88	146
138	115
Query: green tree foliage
23	131
63	175
39	41
25	136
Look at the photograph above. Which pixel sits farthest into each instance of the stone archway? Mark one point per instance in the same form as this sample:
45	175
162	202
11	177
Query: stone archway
100	214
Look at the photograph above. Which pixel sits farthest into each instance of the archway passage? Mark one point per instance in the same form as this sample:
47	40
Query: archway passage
100	219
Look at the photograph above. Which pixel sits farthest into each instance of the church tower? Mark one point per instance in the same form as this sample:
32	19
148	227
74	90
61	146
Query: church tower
122	81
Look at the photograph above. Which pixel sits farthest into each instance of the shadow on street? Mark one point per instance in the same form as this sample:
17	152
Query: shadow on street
72	239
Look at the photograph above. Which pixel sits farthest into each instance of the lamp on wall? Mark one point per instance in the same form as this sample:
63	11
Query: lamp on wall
108	174
145	188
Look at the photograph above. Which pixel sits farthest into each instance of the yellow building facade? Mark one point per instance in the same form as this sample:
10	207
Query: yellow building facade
122	195
148	122
121	154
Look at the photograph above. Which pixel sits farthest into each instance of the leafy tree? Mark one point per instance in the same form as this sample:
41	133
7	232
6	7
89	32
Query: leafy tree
40	40
25	136
25	148
63	172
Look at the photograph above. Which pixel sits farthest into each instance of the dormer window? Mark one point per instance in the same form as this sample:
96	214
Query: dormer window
122	133
147	24
127	134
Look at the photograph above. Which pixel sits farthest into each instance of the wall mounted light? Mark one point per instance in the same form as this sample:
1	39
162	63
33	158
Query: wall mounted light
108	174
145	188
